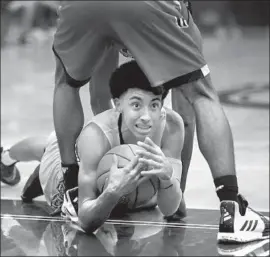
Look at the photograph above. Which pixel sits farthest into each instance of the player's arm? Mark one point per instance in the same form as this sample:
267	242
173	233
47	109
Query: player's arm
173	141
170	194
166	164
93	211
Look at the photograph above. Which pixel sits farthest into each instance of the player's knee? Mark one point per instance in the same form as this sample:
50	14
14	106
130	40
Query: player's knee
65	81
65	87
63	78
200	89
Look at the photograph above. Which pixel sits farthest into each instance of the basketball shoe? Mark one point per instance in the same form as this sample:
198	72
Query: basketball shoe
10	175
241	224
70	181
69	209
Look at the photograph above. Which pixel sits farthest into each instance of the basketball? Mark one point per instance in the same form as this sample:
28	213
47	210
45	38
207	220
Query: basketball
125	153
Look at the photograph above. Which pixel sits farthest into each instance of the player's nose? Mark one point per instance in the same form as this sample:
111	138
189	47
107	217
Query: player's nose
145	116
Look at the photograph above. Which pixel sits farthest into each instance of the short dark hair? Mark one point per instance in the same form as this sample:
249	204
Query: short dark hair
129	75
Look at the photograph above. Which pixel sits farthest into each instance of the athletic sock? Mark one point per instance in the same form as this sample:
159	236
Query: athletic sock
71	175
6	159
227	188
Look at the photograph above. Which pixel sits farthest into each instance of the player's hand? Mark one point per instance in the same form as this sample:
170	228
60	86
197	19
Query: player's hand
125	180
154	158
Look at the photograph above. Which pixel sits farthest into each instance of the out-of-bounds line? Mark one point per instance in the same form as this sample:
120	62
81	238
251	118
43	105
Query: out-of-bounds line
169	223
119	222
31	216
124	223
25	218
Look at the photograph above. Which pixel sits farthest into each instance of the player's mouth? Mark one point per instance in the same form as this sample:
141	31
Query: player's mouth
143	129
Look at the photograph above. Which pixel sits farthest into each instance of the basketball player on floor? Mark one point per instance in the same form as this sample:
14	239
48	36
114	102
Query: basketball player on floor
138	116
106	131
164	40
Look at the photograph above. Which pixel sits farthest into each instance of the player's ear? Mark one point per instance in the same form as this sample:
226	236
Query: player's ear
117	104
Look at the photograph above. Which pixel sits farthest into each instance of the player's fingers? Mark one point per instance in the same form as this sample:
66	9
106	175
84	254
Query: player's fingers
149	173
132	164
147	147
137	169
148	155
149	141
149	162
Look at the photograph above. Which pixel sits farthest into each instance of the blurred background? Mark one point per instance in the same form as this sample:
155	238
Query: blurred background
19	19
236	47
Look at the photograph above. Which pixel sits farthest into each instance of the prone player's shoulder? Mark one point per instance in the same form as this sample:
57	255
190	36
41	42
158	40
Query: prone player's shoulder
173	119
95	126
92	138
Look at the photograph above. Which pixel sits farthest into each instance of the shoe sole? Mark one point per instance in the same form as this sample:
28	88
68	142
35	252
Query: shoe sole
243	249
240	237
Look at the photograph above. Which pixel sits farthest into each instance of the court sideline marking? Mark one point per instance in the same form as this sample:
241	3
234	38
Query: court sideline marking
118	222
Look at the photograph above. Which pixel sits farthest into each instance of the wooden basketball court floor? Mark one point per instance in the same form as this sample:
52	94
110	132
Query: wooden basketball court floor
240	73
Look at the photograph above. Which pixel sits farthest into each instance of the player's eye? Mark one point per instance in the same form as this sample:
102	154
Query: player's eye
155	105
135	105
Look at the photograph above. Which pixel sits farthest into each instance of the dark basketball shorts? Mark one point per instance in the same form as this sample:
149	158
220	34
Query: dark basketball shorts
161	36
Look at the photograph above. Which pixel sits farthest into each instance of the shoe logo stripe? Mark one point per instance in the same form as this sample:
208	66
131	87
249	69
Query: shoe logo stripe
250	225
255	225
244	226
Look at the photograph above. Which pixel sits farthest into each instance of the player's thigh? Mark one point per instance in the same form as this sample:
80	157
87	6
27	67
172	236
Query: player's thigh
99	83
50	174
79	43
165	42
182	105
196	90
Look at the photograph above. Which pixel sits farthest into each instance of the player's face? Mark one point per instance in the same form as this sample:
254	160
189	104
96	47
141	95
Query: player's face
141	112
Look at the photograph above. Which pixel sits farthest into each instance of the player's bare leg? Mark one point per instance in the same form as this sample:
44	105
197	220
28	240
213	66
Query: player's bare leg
68	116
185	109
214	135
68	122
100	96
216	144
213	129
28	149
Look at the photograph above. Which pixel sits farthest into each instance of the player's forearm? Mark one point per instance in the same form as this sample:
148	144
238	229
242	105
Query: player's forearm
93	213
169	196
